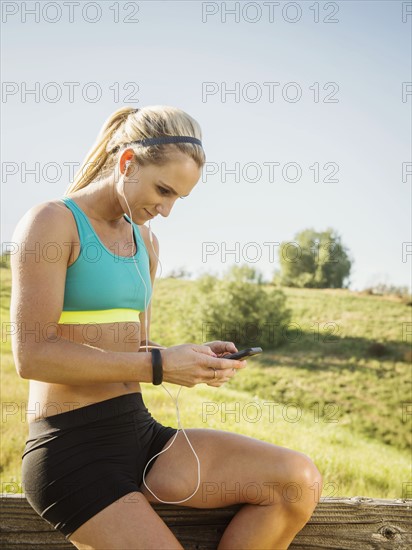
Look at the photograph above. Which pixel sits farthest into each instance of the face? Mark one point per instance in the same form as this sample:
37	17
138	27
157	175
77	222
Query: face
151	190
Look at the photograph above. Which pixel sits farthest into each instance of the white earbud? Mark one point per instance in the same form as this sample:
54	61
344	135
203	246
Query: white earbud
124	174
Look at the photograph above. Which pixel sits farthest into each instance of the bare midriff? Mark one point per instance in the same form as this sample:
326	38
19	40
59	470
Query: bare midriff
46	399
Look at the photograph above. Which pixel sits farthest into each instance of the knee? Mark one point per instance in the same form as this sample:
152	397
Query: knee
308	485
310	475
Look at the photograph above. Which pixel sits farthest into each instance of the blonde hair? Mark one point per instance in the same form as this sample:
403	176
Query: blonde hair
130	124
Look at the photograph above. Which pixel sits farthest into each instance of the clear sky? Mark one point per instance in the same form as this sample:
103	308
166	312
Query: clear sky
320	96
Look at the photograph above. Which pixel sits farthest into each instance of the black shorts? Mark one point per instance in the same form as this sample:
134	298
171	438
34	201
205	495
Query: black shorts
78	462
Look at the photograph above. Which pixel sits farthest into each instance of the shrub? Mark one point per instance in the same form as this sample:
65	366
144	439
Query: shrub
238	308
376	349
5	261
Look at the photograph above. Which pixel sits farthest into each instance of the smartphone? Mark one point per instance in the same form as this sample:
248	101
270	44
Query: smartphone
239	355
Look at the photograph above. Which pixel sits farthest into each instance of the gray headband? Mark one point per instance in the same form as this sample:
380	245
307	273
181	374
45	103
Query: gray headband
161	141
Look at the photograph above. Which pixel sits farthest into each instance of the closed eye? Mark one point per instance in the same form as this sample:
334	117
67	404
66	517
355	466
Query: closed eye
164	191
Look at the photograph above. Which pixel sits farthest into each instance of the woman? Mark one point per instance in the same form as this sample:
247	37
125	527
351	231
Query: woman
87	305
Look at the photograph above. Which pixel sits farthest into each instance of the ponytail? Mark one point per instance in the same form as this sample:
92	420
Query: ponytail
97	157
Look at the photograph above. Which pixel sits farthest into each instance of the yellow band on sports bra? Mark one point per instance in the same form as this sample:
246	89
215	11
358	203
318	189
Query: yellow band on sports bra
99	316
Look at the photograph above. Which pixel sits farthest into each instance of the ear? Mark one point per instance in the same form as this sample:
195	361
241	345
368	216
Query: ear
125	160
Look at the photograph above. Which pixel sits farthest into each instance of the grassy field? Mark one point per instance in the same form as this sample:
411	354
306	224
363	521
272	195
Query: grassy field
329	390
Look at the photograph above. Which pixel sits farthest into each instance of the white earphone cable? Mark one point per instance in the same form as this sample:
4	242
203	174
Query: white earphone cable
147	350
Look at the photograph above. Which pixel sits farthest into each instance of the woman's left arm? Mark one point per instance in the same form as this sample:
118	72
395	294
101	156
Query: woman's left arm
153	268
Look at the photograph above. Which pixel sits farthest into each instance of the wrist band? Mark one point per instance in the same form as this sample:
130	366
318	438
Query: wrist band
157	366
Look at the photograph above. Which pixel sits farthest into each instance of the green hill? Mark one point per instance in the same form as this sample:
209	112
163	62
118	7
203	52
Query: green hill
337	389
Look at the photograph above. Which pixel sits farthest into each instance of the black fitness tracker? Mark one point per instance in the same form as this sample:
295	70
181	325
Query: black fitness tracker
157	366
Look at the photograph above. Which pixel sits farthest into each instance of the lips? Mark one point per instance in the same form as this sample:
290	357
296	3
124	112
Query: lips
151	215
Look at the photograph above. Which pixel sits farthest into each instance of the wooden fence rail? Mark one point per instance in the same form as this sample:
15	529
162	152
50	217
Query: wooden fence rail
355	523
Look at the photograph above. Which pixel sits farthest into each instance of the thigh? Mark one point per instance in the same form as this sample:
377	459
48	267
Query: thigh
130	522
234	468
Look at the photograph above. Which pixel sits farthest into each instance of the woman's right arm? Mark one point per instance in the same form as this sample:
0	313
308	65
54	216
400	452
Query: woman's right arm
37	295
38	270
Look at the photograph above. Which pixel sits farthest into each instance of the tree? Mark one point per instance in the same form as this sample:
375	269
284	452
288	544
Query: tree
314	260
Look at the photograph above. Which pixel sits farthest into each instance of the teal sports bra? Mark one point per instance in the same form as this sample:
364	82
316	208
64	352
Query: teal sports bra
103	287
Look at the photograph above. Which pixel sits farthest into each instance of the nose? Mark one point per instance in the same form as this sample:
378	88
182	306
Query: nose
164	209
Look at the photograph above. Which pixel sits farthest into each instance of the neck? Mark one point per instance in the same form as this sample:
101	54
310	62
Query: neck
100	198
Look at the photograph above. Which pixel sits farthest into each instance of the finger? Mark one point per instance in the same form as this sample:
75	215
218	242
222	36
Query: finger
230	347
225	347
206	350
212	375
221	363
232	363
217	382
222	376
215	385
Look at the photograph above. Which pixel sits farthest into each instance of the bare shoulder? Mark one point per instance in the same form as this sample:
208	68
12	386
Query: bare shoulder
45	224
38	275
51	216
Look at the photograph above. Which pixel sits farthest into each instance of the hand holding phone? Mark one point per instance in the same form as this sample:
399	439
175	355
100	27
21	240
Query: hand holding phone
243	354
